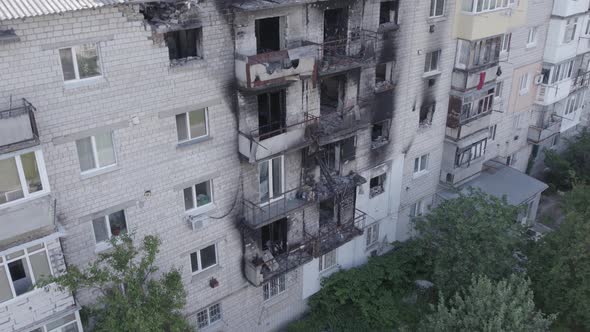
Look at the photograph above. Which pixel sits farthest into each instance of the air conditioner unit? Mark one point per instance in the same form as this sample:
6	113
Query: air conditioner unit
197	222
538	79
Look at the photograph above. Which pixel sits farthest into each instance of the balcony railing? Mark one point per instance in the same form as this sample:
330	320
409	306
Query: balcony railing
581	81
336	124
18	129
269	140
331	185
261	267
258	214
346	54
33	216
537	135
256	72
334	235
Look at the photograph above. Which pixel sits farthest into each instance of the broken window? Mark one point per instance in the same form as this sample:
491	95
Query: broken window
377	185
327	212
383	72
332	93
426	114
388	12
268	34
348	149
336	25
184	44
272	114
432	60
274	237
380	133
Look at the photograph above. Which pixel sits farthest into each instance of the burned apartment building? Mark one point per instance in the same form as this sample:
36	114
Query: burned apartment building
267	143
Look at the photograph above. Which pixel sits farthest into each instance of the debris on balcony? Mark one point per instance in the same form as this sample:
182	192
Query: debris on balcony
337	185
172	15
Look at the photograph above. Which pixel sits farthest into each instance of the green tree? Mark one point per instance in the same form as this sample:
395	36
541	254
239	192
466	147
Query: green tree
570	166
472	234
130	299
506	305
560	264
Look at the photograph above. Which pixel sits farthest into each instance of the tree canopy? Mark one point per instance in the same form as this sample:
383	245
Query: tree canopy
130	299
573	165
489	306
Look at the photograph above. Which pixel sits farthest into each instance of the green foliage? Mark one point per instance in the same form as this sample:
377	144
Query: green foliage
486	305
131	300
473	234
573	165
377	295
560	264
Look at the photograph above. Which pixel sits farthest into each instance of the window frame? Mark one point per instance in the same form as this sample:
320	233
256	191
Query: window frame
195	207
323	259
428	62
27	196
76	320
417	209
4	261
97	167
471	153
419	164
525	79
271	194
107	224
498	5
75	64
506	43
188	128
571	27
372	235
207	311
432	11
382	179
279	287
532	37
199	264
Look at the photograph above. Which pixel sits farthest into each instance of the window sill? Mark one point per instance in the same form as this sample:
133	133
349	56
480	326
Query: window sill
436	19
102	247
529	46
85	84
20	201
483	12
327	272
100	171
387	27
420	174
24	296
431	74
182	65
199	276
201	210
194	141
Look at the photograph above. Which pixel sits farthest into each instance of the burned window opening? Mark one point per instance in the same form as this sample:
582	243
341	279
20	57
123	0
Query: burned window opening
426	114
377	185
388	12
380	133
332	94
381	73
348	149
336	25
272	114
268	34
328	212
184	44
274	237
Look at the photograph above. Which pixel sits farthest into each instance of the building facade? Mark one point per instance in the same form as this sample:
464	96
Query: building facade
267	143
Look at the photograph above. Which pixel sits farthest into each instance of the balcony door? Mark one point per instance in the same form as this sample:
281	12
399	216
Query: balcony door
271	178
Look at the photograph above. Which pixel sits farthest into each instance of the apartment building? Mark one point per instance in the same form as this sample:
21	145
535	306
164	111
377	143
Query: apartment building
267	143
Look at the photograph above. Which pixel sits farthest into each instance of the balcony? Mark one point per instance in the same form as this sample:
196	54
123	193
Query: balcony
548	94
267	141
18	129
464	80
333	235
479	25
537	135
259	214
565	8
27	218
264	260
341	55
581	81
333	125
331	185
260	71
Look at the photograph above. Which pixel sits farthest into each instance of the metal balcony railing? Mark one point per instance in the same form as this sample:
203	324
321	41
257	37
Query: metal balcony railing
581	81
334	234
258	214
18	128
334	123
345	54
279	127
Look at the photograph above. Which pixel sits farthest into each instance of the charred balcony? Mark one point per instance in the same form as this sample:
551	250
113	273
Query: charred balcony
272	251
263	212
339	54
582	80
18	128
336	231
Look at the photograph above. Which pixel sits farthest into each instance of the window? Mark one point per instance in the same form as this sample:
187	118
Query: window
562	71
69	323
437	8
269	34
203	259
327	261
570	29
272	114
20	270
532	37
432	60
480	6
506	39
525	83
574	102
499	87
208	316
274	287
96	152
348	149
555	140
22	176
198	195
417	209
380	133
480	106
426	114
587	31
383	72
467	155
486	51
192	125
372	234
80	62
184	44
492	134
388	12
109	226
271	179
377	185
421	164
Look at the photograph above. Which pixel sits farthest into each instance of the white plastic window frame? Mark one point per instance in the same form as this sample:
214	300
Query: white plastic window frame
21	175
